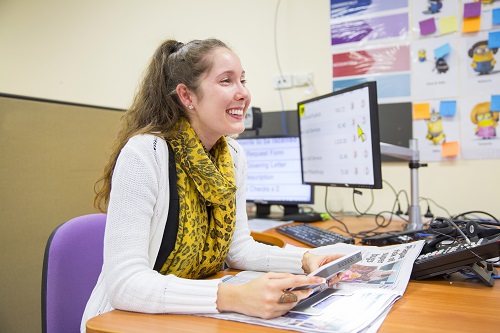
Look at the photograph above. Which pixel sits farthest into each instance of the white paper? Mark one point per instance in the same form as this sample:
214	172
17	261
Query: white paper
260	225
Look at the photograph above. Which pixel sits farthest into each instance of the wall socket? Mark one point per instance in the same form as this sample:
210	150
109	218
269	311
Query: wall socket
286	81
282	81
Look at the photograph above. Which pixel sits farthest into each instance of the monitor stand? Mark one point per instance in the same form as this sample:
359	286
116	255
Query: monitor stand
413	155
291	209
264	210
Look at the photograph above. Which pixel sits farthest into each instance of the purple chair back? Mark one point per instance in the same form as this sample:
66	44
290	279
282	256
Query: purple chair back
71	266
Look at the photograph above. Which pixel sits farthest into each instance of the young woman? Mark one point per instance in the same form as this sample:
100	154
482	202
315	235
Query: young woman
174	193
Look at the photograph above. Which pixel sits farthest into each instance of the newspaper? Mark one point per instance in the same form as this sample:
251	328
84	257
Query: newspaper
358	303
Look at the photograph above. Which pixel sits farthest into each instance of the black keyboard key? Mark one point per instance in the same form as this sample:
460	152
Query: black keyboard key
313	236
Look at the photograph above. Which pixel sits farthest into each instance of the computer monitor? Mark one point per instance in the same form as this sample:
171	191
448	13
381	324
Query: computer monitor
340	140
274	174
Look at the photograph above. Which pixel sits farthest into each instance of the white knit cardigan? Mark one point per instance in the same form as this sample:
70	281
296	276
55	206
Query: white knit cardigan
136	218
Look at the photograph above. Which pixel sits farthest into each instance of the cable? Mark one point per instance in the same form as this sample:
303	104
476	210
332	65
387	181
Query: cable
354	191
439	206
276	37
460	231
380	220
472	276
345	229
280	93
396	194
283	121
476	212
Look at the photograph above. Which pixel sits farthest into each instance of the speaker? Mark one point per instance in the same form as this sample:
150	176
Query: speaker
253	118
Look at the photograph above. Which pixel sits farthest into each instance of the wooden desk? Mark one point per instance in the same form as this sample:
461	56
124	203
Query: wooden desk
433	305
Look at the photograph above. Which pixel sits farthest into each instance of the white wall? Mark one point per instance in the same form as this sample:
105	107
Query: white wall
94	51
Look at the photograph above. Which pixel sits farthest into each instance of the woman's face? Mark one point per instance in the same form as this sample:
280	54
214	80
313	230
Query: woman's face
222	101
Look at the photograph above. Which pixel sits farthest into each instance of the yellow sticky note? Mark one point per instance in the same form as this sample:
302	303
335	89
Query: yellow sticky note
450	149
421	111
301	110
448	24
471	24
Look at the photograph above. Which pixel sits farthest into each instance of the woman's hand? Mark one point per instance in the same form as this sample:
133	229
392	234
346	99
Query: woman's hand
261	297
311	262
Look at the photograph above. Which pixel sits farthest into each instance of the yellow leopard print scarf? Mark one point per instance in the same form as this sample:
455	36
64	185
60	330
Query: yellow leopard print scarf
207	205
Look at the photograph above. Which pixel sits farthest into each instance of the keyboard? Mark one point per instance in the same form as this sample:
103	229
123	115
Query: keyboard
313	236
461	256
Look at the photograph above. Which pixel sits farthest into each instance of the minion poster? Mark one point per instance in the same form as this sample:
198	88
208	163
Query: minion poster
478	128
432	18
437	131
480	65
435	74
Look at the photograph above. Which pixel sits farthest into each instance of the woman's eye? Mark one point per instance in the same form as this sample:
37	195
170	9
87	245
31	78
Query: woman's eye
243	82
225	81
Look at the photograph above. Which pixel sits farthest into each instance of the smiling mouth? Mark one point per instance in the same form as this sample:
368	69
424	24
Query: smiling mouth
235	112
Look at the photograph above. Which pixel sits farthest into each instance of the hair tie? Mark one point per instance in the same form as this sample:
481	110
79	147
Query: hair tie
177	46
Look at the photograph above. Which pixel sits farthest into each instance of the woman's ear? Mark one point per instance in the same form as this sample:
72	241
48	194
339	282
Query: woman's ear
184	94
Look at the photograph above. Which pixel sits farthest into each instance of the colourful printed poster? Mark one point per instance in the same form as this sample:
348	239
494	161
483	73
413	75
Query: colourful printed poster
374	28
435	73
437	134
372	61
389	66
343	8
480	67
391	88
434	18
478	128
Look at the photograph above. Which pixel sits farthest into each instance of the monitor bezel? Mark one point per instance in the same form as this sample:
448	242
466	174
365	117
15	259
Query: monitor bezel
375	135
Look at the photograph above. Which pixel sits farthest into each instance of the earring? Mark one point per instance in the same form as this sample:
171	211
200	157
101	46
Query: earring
190	107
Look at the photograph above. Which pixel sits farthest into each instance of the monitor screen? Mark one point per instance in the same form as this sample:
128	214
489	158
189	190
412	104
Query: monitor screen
274	175
340	140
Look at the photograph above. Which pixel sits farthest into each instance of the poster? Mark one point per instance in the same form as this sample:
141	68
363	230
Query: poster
437	131
389	66
435	73
480	65
369	42
478	128
434	18
440	55
387	27
348	8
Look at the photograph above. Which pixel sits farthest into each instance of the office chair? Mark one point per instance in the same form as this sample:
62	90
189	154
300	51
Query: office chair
72	263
